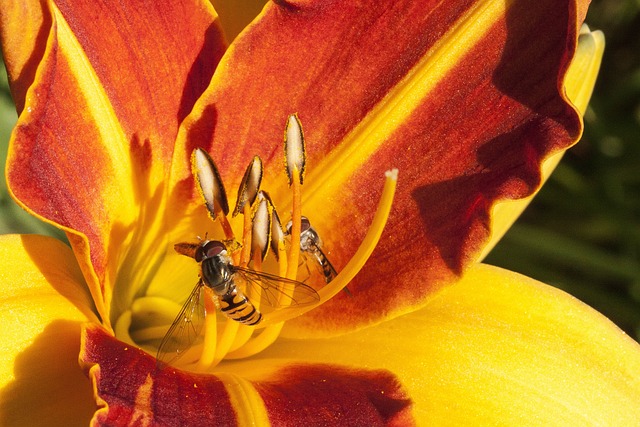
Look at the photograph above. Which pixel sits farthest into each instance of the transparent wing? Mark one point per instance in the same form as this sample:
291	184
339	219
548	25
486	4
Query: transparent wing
275	292
185	329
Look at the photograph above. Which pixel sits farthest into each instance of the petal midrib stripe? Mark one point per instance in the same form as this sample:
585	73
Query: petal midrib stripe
394	109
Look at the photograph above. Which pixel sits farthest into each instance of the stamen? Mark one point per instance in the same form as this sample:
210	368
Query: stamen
295	155
226	340
269	334
295	158
245	254
234	333
255	293
247	193
357	261
288	266
256	345
210	187
296	224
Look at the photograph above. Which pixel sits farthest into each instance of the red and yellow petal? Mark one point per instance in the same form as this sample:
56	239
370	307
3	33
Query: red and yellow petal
323	394
44	301
154	61
24	28
497	348
579	83
93	145
130	388
466	99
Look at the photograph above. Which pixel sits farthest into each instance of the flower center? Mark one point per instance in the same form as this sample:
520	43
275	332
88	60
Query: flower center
237	309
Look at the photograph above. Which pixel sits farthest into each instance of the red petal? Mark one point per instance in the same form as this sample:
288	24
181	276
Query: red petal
24	28
154	60
477	137
94	143
132	389
330	395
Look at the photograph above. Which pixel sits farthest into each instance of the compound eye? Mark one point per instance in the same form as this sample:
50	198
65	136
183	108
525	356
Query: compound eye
209	250
304	224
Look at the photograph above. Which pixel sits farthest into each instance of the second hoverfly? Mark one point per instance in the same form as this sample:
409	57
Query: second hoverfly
220	275
311	245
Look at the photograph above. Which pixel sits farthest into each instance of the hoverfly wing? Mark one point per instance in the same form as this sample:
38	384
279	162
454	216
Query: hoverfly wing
185	329
275	291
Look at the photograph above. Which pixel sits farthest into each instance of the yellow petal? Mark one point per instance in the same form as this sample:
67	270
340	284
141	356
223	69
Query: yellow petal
579	82
44	301
582	74
497	348
299	394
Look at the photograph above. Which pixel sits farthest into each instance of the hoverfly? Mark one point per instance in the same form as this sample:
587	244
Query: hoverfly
311	245
218	273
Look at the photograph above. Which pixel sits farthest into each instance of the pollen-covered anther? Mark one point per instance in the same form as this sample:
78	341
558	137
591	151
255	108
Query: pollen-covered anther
261	235
295	155
209	183
249	186
277	235
295	159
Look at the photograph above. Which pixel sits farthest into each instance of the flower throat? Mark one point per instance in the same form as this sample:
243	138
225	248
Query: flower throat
232	281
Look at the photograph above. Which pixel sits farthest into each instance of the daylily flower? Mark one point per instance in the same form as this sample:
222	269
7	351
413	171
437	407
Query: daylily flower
466	99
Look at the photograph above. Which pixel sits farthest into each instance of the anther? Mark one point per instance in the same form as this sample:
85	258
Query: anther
209	183
211	189
261	226
247	193
295	155
249	186
277	235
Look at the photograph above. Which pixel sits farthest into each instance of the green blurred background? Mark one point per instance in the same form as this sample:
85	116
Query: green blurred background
582	232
